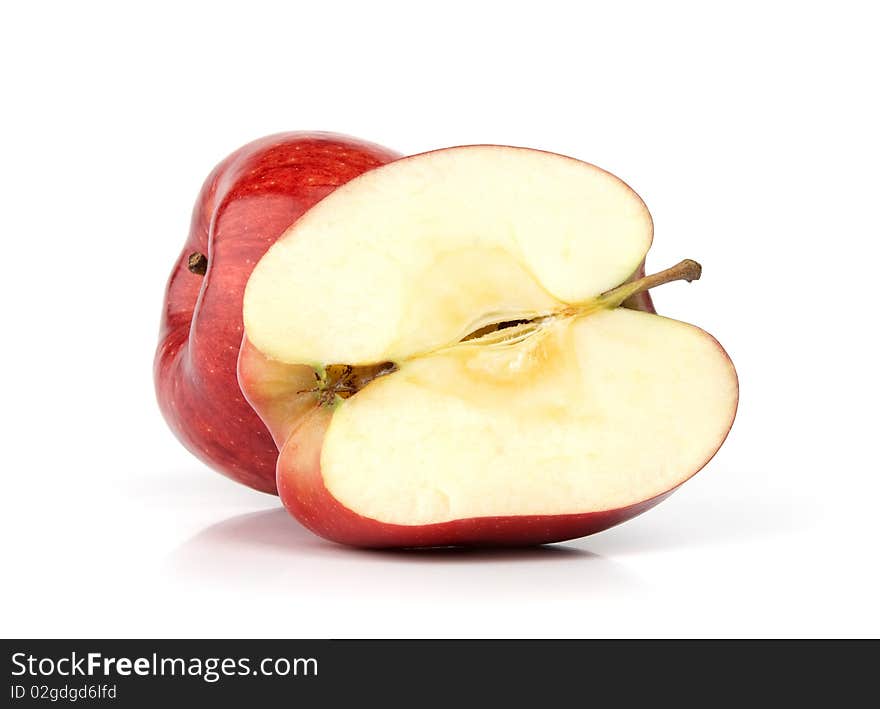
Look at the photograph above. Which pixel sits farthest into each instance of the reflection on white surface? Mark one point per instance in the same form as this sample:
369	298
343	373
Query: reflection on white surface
271	551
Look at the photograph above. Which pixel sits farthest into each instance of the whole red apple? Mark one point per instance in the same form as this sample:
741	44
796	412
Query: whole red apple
246	203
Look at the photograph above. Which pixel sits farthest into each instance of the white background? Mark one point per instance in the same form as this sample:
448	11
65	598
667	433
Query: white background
752	134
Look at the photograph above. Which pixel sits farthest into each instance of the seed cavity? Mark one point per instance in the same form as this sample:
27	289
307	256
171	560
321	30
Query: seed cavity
493	327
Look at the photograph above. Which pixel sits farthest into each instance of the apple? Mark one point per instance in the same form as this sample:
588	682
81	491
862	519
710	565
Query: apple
439	352
244	205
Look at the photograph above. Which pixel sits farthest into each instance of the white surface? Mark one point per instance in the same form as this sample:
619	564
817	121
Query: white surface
751	134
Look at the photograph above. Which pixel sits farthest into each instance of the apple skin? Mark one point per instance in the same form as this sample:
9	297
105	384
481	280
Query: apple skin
279	393
246	203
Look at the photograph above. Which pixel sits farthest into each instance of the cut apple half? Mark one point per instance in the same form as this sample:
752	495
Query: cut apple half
439	350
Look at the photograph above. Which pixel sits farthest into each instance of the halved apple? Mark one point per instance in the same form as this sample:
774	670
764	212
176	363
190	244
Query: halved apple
438	350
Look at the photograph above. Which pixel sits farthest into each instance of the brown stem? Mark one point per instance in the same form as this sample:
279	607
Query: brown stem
687	270
197	263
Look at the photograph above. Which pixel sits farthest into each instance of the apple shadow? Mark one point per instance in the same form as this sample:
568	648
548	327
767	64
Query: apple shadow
699	516
270	550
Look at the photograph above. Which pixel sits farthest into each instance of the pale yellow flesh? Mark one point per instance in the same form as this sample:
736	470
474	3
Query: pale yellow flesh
590	414
420	252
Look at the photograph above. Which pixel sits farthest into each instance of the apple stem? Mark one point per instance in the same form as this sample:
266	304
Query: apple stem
687	270
197	263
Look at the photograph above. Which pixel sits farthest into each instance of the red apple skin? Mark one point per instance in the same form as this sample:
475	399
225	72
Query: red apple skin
279	393
246	203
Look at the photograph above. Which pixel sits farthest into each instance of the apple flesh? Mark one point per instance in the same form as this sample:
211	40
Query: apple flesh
244	206
439	352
